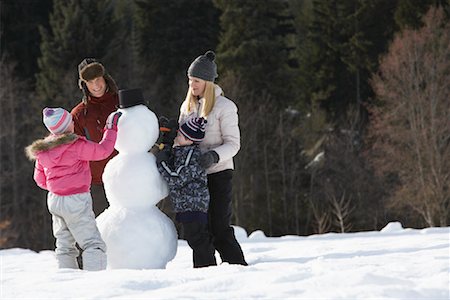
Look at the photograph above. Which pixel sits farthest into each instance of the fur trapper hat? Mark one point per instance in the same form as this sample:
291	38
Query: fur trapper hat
89	69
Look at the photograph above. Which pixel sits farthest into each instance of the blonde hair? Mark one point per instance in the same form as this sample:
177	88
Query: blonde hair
210	99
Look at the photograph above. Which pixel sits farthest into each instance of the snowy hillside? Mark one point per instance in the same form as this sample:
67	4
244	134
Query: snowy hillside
394	263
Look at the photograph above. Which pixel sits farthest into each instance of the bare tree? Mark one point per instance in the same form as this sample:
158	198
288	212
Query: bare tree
269	166
410	128
256	161
341	210
244	192
322	222
342	181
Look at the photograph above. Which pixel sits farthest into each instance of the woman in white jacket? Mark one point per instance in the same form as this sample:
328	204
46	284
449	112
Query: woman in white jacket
221	143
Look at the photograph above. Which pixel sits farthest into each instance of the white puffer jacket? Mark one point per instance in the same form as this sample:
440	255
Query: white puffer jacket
222	130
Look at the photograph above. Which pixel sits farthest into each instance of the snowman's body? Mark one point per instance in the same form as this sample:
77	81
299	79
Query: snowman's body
137	234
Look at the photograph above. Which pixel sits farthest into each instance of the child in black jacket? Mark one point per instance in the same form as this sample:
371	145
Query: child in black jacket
188	189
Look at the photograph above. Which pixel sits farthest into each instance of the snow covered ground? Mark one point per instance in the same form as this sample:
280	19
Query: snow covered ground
394	263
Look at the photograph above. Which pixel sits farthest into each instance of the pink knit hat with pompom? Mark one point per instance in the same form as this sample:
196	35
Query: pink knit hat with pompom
57	120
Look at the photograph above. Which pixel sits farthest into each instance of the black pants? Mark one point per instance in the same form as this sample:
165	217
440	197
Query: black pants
99	201
199	239
219	216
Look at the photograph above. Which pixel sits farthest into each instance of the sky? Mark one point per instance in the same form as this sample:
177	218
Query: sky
393	263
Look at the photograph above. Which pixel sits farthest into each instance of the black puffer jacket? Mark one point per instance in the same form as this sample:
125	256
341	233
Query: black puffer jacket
188	188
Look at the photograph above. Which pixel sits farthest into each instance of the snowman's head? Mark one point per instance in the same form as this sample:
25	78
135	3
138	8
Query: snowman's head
138	130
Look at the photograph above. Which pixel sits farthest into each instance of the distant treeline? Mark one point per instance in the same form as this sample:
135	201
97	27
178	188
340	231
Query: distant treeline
344	105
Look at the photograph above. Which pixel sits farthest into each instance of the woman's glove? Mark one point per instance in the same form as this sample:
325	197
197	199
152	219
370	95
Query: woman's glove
208	158
113	120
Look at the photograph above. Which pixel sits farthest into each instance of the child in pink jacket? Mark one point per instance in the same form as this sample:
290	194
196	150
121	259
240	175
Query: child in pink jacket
62	168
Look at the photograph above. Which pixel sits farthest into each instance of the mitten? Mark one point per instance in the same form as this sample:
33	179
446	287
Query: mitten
167	132
163	122
171	133
208	158
112	120
163	155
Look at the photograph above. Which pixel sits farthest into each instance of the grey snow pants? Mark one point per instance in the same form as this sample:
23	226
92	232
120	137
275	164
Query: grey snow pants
74	222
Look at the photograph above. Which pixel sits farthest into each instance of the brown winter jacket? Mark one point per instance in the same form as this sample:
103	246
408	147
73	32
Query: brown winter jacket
89	120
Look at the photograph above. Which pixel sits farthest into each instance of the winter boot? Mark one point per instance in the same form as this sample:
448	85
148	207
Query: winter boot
198	238
67	261
94	259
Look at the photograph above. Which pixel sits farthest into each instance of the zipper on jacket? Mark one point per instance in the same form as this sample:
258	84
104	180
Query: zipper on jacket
86	133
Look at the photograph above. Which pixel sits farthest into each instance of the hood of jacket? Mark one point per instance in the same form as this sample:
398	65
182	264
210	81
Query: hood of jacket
218	91
50	142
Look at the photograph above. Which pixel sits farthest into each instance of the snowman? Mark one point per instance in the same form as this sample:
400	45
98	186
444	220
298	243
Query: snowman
137	234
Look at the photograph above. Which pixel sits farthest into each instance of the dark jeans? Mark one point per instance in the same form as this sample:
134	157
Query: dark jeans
198	238
219	216
99	201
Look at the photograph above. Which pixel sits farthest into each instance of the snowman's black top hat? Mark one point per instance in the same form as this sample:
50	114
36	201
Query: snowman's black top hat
131	97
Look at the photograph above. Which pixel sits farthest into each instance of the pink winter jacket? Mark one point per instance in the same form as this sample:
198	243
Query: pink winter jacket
62	161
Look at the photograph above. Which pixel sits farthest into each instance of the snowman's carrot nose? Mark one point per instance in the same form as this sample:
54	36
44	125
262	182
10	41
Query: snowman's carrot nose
164	129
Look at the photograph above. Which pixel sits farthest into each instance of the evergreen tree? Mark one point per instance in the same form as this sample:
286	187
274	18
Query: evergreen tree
256	72
121	60
170	35
328	70
78	29
254	47
340	51
338	47
20	35
409	13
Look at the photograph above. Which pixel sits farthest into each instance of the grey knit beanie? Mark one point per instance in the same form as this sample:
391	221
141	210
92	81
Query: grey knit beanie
204	67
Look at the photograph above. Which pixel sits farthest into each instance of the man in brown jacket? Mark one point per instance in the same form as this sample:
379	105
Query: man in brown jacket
100	98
